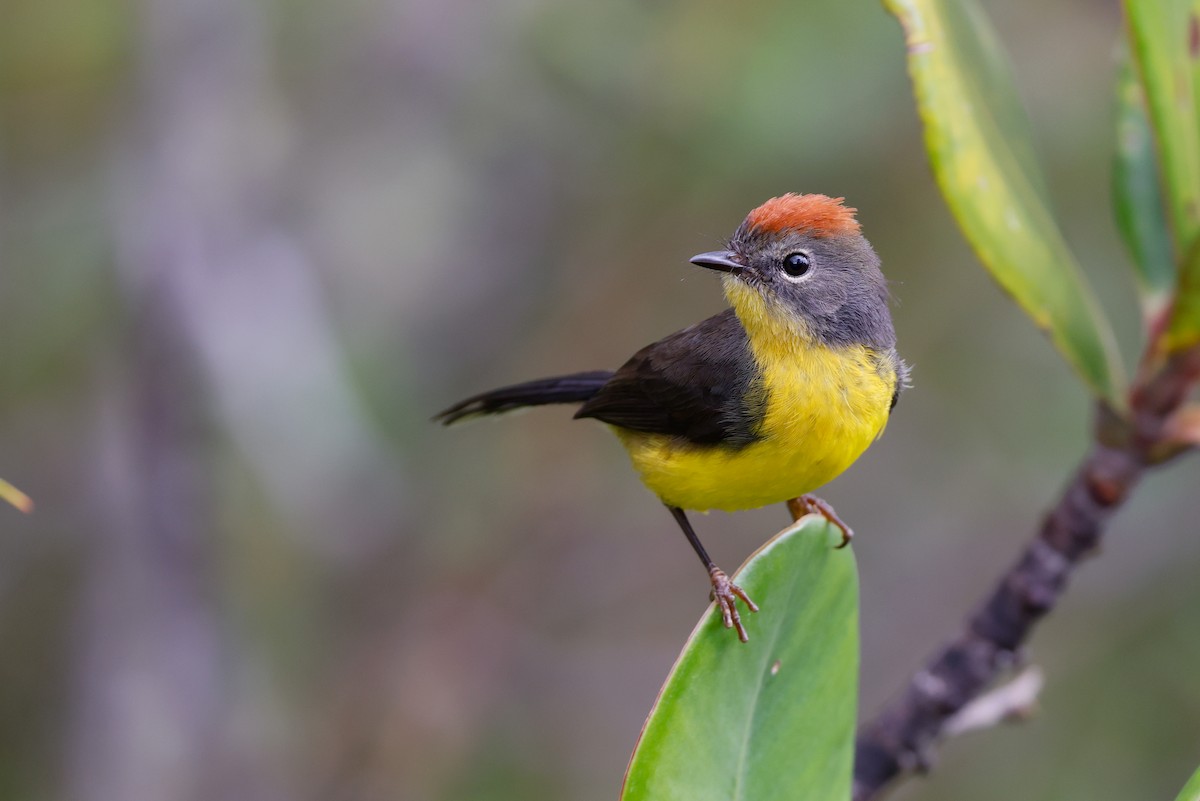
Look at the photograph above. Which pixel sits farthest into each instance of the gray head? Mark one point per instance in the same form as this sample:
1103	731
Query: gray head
798	265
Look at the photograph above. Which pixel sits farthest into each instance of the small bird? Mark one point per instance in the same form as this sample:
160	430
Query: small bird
764	402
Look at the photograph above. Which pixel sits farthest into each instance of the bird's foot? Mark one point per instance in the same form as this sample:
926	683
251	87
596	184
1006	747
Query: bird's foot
811	504
726	593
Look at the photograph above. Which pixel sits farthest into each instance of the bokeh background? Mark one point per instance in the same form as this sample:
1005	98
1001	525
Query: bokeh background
248	248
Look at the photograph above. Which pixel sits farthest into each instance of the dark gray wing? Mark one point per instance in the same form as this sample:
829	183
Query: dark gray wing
698	384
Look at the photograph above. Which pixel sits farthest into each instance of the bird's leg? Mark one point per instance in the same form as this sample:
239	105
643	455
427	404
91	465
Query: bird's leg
807	504
724	591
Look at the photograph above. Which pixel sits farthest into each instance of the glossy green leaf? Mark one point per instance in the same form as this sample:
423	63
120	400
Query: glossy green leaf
772	718
978	141
1191	790
1138	196
1164	37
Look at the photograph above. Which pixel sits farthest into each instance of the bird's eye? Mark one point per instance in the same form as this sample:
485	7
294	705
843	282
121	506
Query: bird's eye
796	264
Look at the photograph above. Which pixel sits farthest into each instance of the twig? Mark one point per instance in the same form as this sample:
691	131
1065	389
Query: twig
901	739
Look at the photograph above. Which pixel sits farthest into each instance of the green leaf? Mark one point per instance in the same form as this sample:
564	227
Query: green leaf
772	718
978	141
1191	790
1184	328
1164	37
1159	36
1138	196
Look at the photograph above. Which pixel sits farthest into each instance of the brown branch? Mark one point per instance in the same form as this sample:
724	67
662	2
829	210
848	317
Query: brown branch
901	739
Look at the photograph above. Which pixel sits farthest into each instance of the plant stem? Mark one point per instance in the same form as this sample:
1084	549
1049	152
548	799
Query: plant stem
901	739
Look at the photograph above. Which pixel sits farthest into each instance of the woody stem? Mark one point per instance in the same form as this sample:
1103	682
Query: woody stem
900	740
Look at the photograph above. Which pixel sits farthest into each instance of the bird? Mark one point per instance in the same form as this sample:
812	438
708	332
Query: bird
762	403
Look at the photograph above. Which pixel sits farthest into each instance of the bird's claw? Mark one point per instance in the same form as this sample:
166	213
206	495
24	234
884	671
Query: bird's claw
726	593
811	504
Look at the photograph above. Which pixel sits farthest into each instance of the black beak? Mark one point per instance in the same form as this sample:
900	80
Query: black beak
725	261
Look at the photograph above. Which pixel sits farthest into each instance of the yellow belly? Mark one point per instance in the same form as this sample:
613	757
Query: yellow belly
824	408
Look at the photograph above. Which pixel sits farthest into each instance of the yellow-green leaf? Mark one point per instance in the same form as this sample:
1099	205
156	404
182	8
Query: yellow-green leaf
1138	196
771	719
1184	328
1159	35
1191	790
978	141
1164	37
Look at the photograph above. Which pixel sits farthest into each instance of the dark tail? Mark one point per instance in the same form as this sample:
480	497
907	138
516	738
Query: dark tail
573	388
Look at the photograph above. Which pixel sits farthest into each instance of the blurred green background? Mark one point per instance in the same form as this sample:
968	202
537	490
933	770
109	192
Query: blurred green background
248	248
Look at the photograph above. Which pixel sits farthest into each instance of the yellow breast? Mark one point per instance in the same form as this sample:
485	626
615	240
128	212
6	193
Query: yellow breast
824	408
